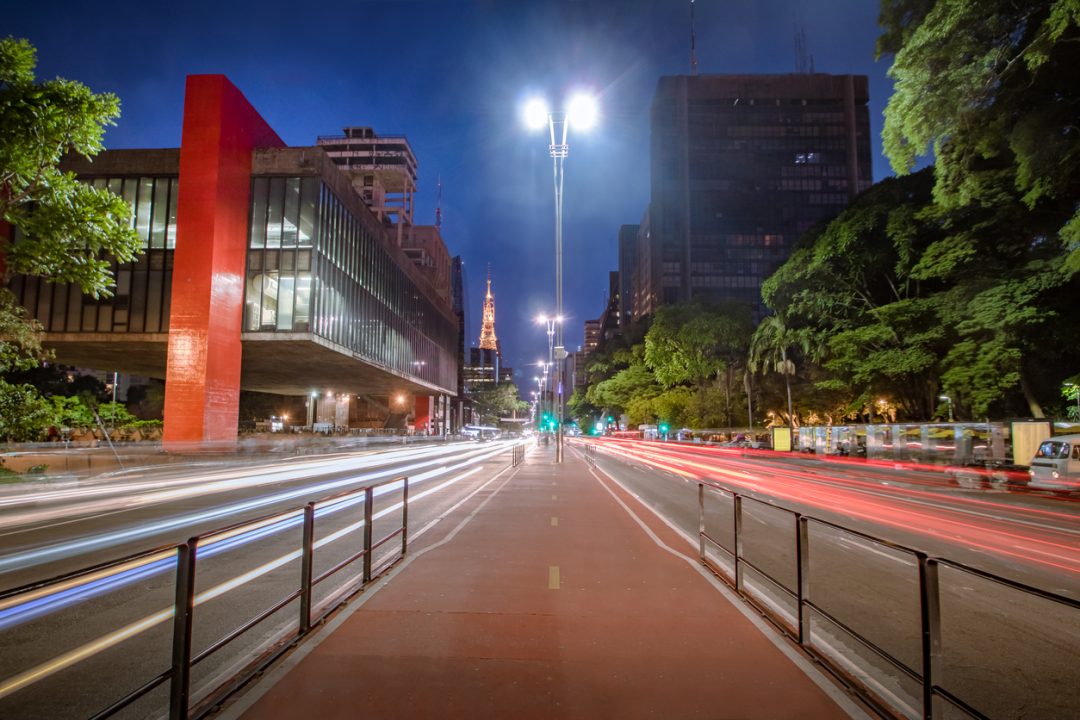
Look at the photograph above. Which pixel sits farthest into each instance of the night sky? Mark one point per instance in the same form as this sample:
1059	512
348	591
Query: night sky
452	76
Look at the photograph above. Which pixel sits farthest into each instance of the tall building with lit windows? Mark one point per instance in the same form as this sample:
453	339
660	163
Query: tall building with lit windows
741	166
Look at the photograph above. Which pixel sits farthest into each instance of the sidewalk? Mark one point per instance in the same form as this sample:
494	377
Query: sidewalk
551	602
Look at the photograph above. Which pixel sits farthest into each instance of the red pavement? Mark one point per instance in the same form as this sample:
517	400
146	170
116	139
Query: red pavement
551	602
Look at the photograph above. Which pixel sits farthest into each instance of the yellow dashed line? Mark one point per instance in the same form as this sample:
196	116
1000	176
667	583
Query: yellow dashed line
553	577
554	521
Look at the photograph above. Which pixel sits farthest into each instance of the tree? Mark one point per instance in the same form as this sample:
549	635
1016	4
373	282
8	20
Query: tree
848	291
24	414
69	231
991	87
697	343
615	394
579	408
769	350
497	401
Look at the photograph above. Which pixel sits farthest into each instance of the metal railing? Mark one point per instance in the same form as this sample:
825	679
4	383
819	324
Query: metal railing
517	454
767	593
185	556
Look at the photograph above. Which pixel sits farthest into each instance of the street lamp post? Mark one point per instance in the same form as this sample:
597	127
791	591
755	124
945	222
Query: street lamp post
581	110
947	399
550	322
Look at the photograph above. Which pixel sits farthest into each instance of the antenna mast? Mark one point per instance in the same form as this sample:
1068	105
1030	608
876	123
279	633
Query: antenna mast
693	42
803	63
438	202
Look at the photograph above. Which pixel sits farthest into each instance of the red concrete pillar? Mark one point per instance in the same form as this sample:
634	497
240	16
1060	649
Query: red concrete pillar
202	382
422	414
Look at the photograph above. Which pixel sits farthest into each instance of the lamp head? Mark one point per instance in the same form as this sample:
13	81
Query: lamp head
535	113
582	111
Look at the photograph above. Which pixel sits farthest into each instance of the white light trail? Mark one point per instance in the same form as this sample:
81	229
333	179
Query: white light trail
116	637
36	556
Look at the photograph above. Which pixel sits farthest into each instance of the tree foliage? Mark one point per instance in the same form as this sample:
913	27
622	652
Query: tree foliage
901	298
497	401
617	392
848	294
990	87
69	231
24	414
694	343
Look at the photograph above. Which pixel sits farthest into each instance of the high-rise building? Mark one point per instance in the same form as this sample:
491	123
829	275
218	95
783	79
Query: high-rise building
609	319
741	166
592	335
627	269
457	291
383	170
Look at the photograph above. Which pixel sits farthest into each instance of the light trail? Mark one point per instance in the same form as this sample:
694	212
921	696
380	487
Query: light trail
100	541
1057	548
112	639
95	500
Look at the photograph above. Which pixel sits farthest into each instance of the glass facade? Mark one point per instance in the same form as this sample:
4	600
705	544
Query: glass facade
314	267
140	300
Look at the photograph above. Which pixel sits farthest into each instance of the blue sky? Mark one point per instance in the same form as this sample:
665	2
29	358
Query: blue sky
451	76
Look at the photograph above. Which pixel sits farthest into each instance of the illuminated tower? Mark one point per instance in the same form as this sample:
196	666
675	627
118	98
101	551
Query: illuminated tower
487	330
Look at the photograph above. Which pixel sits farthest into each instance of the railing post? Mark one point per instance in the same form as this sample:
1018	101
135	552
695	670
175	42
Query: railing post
737	504
930	605
183	617
701	520
369	500
802	553
404	514
307	562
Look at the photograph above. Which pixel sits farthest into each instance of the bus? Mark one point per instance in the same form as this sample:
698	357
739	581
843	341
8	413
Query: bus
481	432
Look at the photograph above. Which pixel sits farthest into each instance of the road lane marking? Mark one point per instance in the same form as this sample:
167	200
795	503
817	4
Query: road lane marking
554	521
553	577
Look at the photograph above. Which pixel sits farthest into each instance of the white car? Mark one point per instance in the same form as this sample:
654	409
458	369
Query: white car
1056	465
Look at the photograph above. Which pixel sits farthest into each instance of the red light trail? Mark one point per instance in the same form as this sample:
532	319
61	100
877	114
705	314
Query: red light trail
992	526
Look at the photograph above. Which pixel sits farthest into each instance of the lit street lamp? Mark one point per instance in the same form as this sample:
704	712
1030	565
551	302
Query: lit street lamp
581	112
947	399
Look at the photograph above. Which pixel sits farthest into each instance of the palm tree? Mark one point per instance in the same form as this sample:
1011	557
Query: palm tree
769	350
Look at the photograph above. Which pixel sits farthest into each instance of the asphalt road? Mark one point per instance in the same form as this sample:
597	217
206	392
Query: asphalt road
1008	653
108	638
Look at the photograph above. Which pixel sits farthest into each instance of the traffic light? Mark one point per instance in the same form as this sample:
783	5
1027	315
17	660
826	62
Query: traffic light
664	427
